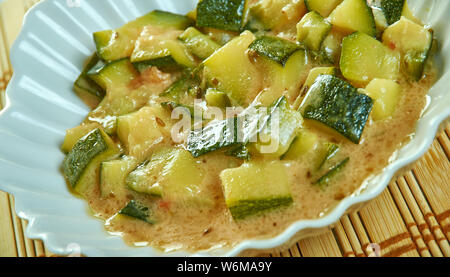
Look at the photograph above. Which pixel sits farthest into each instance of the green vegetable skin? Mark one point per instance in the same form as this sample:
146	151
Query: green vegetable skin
413	41
84	84
364	58
235	131
137	210
312	30
336	104
82	163
251	190
275	49
323	7
113	174
221	14
117	44
198	43
354	15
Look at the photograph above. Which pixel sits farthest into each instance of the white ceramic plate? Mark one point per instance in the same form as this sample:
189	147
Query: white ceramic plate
47	58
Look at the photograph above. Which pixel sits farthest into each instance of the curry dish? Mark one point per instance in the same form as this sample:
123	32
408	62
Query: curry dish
242	117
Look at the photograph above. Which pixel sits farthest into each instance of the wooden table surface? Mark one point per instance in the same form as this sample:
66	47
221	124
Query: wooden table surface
410	218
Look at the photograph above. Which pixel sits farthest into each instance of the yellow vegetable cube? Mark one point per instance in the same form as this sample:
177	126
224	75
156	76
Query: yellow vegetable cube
386	94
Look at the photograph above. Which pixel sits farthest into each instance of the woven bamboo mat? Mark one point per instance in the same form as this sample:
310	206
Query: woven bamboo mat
410	218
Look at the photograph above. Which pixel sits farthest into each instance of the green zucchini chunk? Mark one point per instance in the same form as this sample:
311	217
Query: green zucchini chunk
270	15
305	142
221	14
413	41
166	64
113	174
220	70
114	74
326	179
234	131
217	98
82	163
199	44
364	58
137	210
171	105
289	124
172	174
185	89
85	85
144	178
386	95
162	49
337	104
276	49
139	131
312	30
392	9
354	15
215	136
312	76
323	7
256	188
117	44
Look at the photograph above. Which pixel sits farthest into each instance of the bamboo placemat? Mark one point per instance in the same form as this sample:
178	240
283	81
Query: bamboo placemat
410	218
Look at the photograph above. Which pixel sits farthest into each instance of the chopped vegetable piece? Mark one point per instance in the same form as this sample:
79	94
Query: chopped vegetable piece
303	143
274	48
234	131
117	44
326	179
276	140
392	9
84	85
323	7
137	210
81	165
172	174
185	89
117	73
312	30
328	150
313	74
276	15
75	134
284	64
331	48
336	104
140	132
240	152
217	98
256	188
414	43
221	14
198	43
364	58
144	178
386	95
113	174
354	15
220	69
162	49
